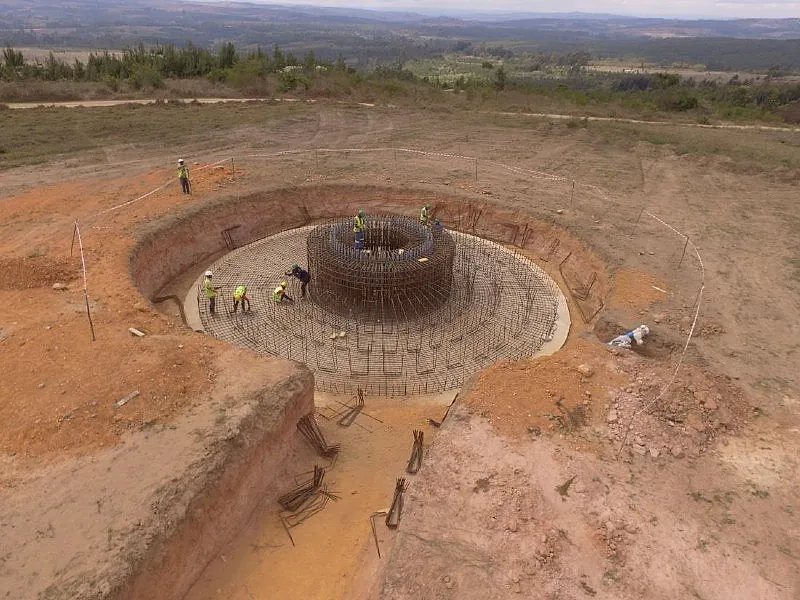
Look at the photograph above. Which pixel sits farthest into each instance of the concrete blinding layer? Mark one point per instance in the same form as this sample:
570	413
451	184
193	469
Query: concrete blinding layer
499	305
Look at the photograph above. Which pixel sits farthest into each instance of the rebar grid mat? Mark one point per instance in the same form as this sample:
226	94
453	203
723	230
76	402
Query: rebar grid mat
500	305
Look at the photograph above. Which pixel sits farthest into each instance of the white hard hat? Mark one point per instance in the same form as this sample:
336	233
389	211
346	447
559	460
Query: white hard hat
180	161
209	274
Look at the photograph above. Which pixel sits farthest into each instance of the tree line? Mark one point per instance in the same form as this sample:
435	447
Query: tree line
143	67
148	67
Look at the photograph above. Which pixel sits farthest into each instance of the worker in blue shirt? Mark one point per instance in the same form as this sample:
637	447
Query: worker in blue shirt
303	276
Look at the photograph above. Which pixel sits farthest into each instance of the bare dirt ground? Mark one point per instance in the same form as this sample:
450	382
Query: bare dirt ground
700	502
262	562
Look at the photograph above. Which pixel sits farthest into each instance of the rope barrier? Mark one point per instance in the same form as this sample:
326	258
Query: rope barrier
85	280
514	169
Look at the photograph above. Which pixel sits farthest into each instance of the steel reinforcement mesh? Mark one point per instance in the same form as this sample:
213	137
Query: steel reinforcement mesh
499	305
404	270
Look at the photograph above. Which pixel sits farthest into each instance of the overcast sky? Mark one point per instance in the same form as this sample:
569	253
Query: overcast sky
644	8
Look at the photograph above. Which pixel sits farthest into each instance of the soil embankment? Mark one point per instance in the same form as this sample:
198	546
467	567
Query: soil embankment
176	244
141	520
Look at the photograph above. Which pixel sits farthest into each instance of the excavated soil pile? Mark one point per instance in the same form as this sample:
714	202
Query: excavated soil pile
547	393
36	271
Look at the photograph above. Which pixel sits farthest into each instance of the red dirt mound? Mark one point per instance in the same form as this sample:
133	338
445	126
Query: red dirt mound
36	271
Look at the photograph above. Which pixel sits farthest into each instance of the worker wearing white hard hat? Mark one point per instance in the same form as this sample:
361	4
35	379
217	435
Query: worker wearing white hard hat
211	292
183	177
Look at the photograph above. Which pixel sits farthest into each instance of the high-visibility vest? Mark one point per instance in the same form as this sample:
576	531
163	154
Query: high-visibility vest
239	293
183	172
277	295
360	224
209	287
424	216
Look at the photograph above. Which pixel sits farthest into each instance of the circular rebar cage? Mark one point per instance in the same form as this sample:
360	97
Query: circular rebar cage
401	271
497	305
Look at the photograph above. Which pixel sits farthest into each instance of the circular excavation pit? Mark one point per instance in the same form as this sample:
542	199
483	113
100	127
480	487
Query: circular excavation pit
414	311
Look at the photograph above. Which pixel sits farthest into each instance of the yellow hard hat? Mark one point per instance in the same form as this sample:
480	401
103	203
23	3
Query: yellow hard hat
284	283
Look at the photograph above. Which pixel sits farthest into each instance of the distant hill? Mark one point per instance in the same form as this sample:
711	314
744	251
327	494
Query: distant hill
371	36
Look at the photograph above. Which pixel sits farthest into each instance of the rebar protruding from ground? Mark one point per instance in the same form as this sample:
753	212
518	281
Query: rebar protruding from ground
396	510
311	505
415	460
350	415
379	513
294	499
311	431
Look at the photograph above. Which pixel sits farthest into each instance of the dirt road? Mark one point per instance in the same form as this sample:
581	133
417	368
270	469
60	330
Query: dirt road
556	116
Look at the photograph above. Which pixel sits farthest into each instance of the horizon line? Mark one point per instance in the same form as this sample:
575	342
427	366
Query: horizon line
441	11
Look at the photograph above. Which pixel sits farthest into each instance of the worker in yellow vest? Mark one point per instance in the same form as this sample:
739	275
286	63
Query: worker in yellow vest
183	176
211	292
359	227
425	215
240	296
279	294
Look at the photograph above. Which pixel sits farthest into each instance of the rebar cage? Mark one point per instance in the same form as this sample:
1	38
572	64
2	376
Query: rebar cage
403	271
425	332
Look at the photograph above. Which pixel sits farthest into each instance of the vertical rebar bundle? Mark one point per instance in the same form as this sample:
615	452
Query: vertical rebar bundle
310	429
396	509
415	460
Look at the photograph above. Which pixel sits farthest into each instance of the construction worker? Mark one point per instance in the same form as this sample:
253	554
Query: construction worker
636	335
183	176
302	275
279	294
211	292
359	227
425	215
240	295
438	226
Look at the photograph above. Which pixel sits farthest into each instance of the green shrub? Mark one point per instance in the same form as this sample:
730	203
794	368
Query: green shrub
218	76
678	101
289	80
246	73
145	77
